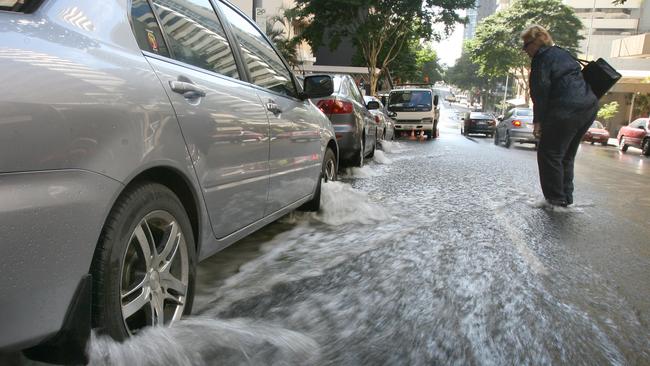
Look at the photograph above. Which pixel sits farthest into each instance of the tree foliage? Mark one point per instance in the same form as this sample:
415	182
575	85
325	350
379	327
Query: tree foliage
279	29
465	74
496	48
608	111
378	28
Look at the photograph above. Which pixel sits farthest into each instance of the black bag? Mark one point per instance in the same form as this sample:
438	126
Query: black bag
600	75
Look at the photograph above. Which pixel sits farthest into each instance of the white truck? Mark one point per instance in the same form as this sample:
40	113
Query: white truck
414	110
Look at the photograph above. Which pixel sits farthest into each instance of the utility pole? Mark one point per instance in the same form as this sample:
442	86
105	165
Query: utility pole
591	29
505	92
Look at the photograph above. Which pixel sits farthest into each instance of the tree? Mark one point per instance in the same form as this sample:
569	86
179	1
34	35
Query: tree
496	47
608	111
428	65
279	29
378	28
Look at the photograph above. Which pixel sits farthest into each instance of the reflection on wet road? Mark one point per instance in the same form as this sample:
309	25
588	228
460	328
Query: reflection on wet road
441	254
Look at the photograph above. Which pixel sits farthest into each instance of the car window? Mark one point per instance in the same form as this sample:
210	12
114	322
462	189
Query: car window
508	114
525	112
196	36
354	91
636	123
264	65
597	124
146	29
410	98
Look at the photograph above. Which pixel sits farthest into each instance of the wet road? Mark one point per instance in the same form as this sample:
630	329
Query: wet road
440	254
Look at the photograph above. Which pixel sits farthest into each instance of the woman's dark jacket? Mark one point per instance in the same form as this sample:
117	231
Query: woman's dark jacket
557	88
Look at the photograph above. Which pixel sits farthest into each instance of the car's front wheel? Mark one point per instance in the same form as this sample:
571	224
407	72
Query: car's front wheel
144	265
496	138
645	147
622	145
507	142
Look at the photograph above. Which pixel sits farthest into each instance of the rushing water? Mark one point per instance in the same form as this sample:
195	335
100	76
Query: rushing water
425	256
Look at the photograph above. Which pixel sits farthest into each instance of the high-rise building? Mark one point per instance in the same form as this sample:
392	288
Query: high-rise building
483	9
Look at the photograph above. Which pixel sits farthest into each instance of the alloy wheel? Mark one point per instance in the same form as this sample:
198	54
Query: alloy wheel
155	273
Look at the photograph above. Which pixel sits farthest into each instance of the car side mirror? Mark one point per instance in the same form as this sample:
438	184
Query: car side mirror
500	118
373	105
435	100
318	86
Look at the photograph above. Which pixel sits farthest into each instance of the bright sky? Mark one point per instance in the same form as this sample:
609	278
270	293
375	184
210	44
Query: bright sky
450	49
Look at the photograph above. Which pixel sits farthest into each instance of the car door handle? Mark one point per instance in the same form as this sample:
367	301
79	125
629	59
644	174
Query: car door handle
187	88
273	107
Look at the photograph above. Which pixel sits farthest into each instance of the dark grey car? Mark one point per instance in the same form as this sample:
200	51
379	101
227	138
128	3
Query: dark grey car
355	126
136	138
385	124
515	126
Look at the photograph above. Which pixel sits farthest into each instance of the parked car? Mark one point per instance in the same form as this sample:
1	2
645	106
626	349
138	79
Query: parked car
450	98
133	146
355	126
385	124
636	134
478	122
414	109
597	133
515	126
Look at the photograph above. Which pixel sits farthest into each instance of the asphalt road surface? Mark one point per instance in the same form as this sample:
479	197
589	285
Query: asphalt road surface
437	252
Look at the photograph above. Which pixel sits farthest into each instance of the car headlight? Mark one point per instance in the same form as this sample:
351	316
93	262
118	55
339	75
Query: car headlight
427	120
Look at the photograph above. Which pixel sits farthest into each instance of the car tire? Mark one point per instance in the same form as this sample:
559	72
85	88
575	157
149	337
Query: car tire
622	145
645	147
605	143
506	140
329	172
372	152
358	161
496	138
141	225
592	142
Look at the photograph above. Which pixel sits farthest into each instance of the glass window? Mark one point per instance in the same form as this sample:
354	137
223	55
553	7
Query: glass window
525	112
264	65
408	98
356	94
196	36
146	29
597	124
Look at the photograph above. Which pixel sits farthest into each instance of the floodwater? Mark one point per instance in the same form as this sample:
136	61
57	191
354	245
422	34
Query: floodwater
437	252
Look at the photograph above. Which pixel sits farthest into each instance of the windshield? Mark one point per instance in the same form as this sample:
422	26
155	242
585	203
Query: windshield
409	99
524	112
480	116
597	124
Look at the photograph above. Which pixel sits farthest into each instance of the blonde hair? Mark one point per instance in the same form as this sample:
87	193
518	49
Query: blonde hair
538	34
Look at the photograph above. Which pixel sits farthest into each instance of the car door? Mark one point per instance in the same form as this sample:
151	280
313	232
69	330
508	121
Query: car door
638	132
224	123
295	154
368	120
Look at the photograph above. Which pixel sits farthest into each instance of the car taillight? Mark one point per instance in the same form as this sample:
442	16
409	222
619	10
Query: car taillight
377	120
516	123
332	106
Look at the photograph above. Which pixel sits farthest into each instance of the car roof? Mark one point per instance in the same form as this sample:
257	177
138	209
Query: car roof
410	89
480	114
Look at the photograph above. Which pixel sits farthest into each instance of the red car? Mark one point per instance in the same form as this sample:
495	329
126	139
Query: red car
597	133
636	134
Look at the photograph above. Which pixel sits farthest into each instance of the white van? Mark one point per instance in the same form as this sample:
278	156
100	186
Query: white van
414	110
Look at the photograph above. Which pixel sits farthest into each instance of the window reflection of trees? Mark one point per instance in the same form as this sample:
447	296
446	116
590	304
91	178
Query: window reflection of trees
196	36
265	66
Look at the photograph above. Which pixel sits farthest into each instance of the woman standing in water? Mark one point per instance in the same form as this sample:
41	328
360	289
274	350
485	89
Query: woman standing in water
564	108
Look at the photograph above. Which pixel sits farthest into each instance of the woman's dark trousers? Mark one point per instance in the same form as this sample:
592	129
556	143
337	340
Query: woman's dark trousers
556	154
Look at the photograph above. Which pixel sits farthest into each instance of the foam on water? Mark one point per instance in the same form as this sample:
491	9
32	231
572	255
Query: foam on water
203	341
341	204
380	158
392	147
363	172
